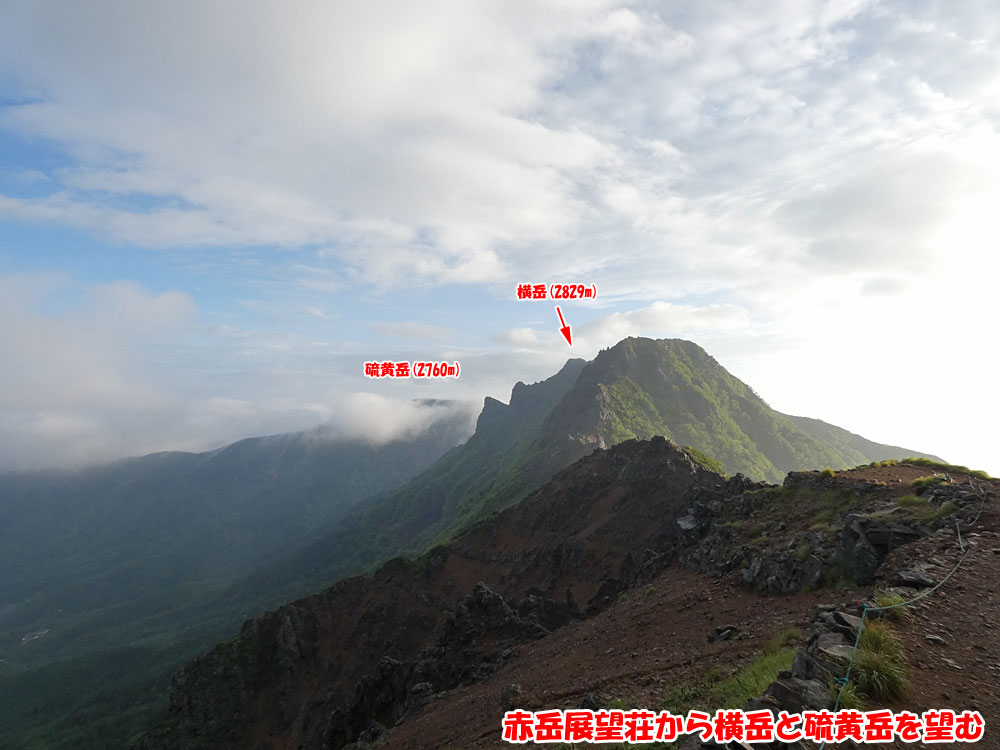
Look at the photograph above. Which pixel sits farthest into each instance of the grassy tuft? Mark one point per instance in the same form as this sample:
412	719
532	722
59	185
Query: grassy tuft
823	517
880	675
874	464
929	481
877	637
941	466
751	680
879	670
849	696
785	638
828	472
913	501
885	598
704	460
723	688
947	508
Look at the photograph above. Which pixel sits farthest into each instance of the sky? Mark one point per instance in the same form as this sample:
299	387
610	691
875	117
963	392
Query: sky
213	214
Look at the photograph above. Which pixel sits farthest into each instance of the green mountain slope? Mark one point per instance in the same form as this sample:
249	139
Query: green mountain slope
636	389
856	449
136	563
111	576
641	387
494	468
103	556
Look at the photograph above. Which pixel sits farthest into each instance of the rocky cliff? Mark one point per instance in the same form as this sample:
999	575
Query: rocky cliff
376	653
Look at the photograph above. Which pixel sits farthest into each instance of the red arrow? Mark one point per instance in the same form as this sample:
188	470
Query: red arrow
565	328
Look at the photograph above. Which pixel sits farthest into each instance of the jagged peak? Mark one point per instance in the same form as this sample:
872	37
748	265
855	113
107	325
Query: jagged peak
493	410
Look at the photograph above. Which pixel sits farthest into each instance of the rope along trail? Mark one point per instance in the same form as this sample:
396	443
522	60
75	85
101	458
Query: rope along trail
865	609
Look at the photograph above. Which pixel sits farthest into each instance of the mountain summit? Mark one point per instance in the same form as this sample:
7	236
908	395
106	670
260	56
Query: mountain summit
153	559
643	387
639	388
634	575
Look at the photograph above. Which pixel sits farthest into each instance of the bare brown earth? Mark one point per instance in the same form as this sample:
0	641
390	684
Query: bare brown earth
655	638
321	671
588	592
963	672
633	652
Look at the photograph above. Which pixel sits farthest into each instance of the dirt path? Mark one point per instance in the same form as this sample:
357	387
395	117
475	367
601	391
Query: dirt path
635	652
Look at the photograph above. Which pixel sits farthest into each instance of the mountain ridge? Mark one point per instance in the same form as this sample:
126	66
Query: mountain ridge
637	389
357	661
119	569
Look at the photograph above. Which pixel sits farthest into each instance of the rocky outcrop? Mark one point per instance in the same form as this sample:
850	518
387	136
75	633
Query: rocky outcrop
343	665
866	542
346	665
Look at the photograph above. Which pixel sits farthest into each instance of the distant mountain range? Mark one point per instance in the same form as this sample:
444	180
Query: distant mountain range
117	569
636	389
428	653
142	562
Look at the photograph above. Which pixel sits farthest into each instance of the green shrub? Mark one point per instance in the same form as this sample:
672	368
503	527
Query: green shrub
828	472
802	552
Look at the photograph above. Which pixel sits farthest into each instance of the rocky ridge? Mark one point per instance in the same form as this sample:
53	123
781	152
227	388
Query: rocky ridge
372	655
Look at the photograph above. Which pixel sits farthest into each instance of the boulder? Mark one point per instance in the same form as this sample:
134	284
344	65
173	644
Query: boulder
796	695
723	633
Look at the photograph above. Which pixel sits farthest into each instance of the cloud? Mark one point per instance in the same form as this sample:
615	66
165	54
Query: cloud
525	339
808	166
666	320
379	419
659	320
884	214
884	285
460	143
341	117
411	330
122	370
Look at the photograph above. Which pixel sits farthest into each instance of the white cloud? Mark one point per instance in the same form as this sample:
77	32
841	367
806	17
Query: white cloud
666	320
125	371
412	330
374	417
807	165
466	143
659	320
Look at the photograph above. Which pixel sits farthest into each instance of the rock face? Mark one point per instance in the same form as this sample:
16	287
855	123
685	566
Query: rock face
636	389
341	665
866	542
